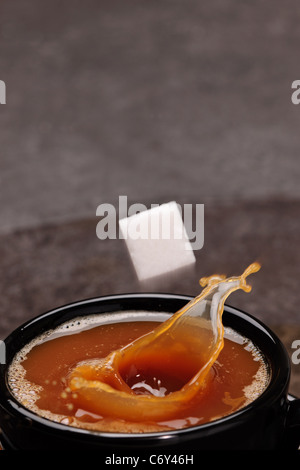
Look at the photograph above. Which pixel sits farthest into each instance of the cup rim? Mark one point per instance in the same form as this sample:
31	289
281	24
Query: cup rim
279	381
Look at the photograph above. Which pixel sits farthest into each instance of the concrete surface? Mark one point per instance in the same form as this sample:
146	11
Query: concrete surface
156	100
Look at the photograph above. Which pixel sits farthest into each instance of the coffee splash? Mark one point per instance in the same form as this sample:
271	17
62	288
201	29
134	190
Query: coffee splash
120	385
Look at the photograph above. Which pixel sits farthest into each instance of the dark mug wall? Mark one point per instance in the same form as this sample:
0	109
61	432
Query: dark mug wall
271	422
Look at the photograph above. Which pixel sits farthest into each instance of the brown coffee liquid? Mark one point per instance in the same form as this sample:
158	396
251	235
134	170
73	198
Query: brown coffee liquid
38	376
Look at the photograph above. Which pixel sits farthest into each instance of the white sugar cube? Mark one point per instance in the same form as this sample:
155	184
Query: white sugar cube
157	241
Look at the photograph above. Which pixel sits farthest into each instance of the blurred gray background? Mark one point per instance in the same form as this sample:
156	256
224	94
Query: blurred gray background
157	100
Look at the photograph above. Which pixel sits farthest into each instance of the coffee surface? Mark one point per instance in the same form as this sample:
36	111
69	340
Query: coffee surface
38	376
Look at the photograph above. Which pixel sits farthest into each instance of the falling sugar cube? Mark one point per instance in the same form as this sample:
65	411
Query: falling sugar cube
157	241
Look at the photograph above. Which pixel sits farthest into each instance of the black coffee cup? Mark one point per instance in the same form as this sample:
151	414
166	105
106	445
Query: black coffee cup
270	422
